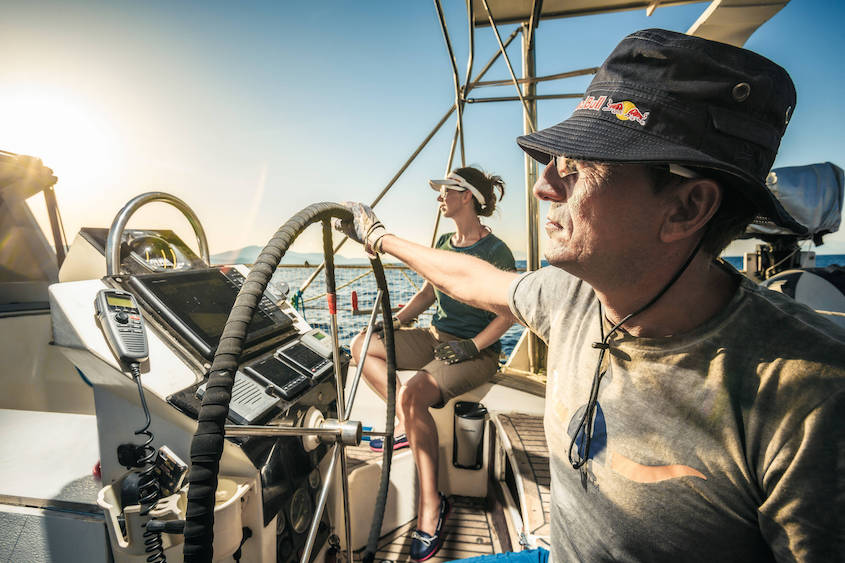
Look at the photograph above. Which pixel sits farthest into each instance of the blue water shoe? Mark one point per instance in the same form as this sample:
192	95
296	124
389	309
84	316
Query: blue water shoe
423	545
399	442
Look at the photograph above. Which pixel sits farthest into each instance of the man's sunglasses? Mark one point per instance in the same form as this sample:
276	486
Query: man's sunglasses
567	167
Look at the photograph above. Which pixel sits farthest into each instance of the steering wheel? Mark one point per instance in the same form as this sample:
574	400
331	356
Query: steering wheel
134	204
207	443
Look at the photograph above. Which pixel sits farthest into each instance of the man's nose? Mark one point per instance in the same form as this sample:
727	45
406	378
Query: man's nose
549	186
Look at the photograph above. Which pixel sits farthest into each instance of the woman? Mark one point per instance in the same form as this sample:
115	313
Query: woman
459	352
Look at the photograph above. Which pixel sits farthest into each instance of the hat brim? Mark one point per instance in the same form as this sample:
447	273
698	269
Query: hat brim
437	184
588	138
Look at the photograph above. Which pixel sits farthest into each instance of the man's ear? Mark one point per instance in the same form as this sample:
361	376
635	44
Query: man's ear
691	205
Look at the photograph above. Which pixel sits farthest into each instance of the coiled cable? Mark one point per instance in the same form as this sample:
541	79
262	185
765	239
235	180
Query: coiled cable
149	491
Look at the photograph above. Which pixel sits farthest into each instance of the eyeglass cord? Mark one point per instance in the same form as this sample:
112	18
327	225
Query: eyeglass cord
585	425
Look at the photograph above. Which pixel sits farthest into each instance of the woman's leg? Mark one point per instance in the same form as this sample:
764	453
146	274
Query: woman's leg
375	370
415	398
375	366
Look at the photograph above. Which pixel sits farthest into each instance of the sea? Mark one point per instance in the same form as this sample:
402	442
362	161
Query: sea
402	284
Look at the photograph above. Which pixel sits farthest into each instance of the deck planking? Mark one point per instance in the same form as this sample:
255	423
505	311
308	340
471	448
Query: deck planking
469	532
360	455
527	440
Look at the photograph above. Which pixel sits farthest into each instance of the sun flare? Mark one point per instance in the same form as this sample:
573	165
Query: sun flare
70	135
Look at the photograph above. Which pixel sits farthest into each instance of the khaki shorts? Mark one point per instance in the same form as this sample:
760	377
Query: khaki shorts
415	350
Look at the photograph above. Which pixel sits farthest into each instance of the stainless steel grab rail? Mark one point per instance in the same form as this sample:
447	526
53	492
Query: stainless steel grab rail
134	204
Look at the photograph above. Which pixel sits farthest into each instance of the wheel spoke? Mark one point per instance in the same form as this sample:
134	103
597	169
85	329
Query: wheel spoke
364	349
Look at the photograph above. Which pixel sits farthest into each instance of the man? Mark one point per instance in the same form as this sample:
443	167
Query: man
690	414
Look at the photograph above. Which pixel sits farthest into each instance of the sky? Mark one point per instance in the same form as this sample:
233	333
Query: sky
250	111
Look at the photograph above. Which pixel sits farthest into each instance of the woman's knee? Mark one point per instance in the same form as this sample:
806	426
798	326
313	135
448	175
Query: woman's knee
418	394
375	349
404	401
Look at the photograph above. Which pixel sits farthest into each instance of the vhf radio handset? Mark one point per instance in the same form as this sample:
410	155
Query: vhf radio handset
120	320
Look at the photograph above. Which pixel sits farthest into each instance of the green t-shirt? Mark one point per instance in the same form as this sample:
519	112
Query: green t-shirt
460	319
725	443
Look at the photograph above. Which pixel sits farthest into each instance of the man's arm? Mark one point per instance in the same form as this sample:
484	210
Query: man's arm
804	487
466	278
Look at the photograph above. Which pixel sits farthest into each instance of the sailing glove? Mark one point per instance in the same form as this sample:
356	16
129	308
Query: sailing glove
455	351
364	228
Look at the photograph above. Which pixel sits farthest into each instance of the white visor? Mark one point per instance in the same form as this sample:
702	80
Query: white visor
454	180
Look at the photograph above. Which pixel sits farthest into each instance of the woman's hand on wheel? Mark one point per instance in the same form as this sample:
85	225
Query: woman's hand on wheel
364	228
455	351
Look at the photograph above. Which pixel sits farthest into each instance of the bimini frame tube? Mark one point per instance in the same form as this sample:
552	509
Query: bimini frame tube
525	80
455	79
471	31
526	98
530	125
532	208
413	156
508	62
384	190
459	103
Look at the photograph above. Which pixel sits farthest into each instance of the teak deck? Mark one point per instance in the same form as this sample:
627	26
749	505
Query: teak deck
359	455
469	533
470	529
525	441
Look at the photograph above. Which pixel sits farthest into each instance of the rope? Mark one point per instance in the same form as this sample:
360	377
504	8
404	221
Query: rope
405	273
297	302
350	282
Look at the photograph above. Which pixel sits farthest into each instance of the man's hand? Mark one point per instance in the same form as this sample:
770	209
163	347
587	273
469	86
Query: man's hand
455	351
364	228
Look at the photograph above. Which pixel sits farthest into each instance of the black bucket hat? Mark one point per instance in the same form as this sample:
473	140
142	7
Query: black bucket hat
663	97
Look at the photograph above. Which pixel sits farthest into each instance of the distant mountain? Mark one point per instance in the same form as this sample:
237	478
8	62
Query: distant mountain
247	255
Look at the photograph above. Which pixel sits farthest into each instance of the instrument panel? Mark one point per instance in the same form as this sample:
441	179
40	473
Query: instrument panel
195	304
279	365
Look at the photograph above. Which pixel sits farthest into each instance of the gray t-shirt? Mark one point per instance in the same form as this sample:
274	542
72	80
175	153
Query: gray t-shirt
726	443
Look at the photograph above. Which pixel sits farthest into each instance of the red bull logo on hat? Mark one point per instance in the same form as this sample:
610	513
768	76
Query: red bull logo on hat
591	103
626	111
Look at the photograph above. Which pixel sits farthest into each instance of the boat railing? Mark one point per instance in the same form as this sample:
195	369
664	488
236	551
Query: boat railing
356	293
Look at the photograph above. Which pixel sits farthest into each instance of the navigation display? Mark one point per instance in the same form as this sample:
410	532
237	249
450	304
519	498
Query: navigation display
197	303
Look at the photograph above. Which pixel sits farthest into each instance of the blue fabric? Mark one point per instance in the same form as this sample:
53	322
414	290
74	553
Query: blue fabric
82	375
812	194
399	442
538	555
